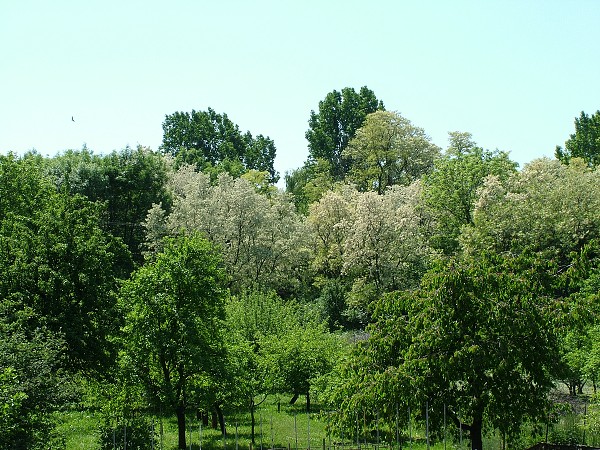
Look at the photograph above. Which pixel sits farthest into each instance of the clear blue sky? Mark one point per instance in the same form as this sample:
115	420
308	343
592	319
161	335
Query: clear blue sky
513	73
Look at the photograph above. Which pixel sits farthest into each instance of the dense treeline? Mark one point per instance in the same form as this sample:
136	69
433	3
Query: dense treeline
182	279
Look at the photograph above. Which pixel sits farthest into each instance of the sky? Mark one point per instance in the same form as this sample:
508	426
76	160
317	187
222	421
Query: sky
515	74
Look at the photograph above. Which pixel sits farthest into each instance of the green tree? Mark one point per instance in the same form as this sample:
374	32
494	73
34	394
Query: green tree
477	338
128	181
33	384
388	150
251	318
552	210
56	261
451	189
300	356
309	183
330	130
584	143
208	139
22	187
174	312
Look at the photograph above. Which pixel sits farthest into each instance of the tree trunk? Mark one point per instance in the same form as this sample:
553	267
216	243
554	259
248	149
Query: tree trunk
181	426
294	398
308	402
252	419
477	434
221	419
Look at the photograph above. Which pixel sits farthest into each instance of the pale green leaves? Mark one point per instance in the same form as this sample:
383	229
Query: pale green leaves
388	150
261	237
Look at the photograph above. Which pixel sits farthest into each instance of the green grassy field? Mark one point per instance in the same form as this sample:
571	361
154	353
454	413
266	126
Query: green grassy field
280	426
284	426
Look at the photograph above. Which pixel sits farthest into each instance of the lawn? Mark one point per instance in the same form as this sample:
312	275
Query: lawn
278	426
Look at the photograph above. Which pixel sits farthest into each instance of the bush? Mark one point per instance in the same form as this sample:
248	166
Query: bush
133	434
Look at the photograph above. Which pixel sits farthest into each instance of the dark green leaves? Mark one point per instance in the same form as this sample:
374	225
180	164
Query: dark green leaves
208	140
331	128
584	143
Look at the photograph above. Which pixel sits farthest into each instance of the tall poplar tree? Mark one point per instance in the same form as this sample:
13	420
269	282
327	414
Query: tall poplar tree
585	142
339	115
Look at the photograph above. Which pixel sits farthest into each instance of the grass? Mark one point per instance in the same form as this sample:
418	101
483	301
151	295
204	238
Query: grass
78	430
278	426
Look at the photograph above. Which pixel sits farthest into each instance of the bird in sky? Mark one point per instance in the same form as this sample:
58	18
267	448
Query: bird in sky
72	119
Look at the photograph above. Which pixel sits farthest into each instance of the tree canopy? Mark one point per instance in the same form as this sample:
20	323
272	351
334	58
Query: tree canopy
335	123
184	279
210	140
127	181
262	238
451	189
388	150
57	261
584	143
478	338
174	312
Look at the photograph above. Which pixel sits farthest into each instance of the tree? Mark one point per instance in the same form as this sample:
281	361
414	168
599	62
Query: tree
552	210
584	143
33	383
262	237
385	246
56	261
365	244
174	312
297	358
23	189
329	221
388	150
547	207
129	181
334	125
309	183
477	338
251	318
208	139
450	190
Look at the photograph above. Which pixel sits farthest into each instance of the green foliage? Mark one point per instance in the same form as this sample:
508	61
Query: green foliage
332	301
330	130
584	143
32	386
451	189
296	359
58	268
252	318
172	338
22	188
388	150
289	346
256	315
127	181
478	336
211	141
309	183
